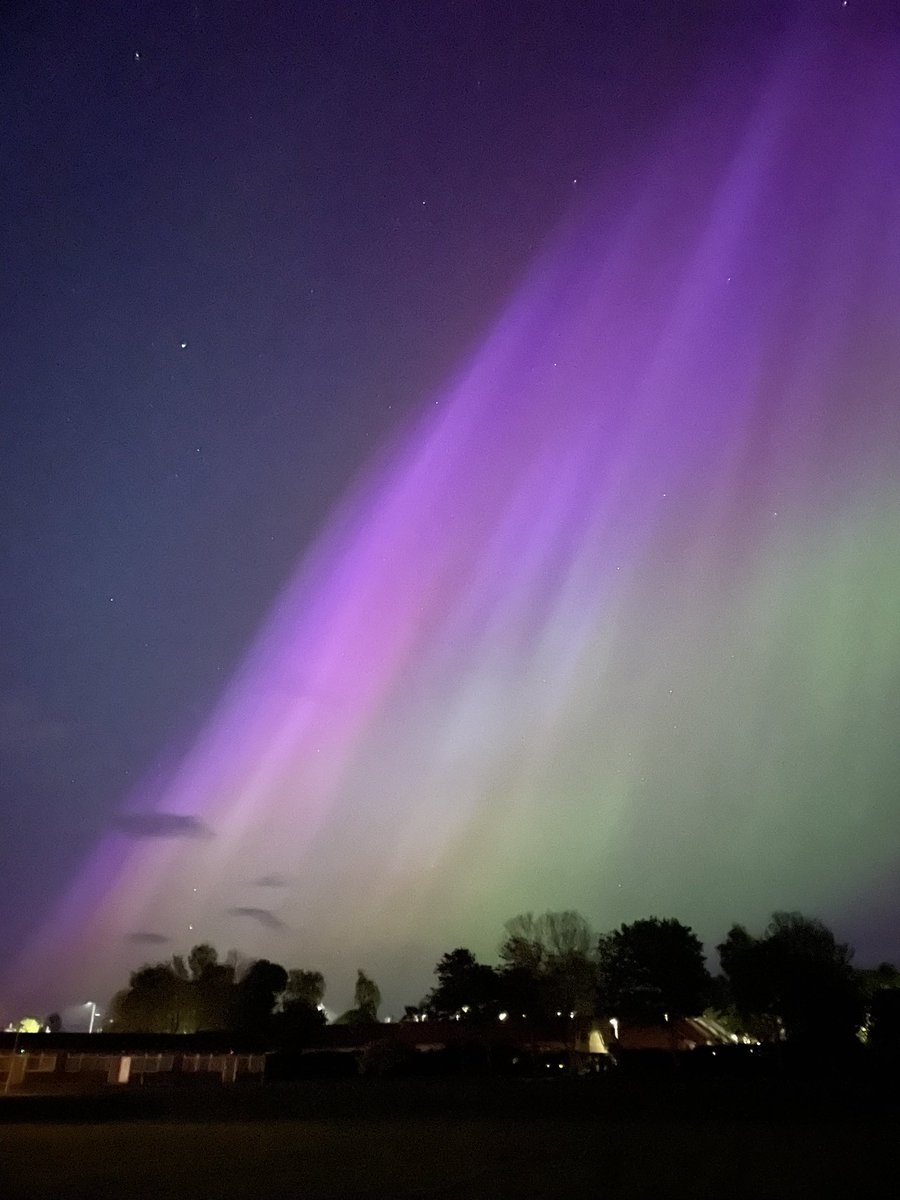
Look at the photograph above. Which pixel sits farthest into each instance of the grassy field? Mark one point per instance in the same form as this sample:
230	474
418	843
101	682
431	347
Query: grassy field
565	1138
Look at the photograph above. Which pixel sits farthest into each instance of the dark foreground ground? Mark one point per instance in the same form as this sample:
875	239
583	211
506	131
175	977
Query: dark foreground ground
464	1138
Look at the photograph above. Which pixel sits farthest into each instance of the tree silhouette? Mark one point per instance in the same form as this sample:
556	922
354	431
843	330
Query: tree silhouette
523	947
651	970
548	967
201	958
884	1022
466	988
299	1012
366	997
255	995
156	1001
205	994
796	976
216	996
305	986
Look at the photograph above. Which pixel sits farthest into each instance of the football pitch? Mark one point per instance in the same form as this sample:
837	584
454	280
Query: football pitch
479	1139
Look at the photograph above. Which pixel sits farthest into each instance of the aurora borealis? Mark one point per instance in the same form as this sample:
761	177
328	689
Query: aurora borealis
612	621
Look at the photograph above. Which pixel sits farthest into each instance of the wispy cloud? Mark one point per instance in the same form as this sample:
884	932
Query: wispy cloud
145	938
263	916
161	825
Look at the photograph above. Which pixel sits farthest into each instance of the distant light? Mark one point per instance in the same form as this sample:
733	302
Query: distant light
502	1016
465	1008
571	1016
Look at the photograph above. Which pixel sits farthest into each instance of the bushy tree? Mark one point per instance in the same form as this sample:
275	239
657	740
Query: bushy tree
366	997
201	994
156	1001
305	986
884	976
216	996
297	1022
201	959
884	1022
796	977
652	969
523	947
299	1012
548	966
256	993
366	1000
466	988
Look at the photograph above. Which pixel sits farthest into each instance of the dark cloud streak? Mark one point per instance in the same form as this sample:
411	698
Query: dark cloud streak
262	916
161	825
271	881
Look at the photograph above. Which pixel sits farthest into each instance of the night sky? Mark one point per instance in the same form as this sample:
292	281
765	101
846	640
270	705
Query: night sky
451	466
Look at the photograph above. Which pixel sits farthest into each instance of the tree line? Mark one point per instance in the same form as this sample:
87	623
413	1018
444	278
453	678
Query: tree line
793	982
202	993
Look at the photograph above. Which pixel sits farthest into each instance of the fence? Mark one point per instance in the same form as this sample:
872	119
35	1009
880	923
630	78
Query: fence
120	1068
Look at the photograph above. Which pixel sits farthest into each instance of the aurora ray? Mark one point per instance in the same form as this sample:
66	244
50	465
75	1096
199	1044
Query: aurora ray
616	625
